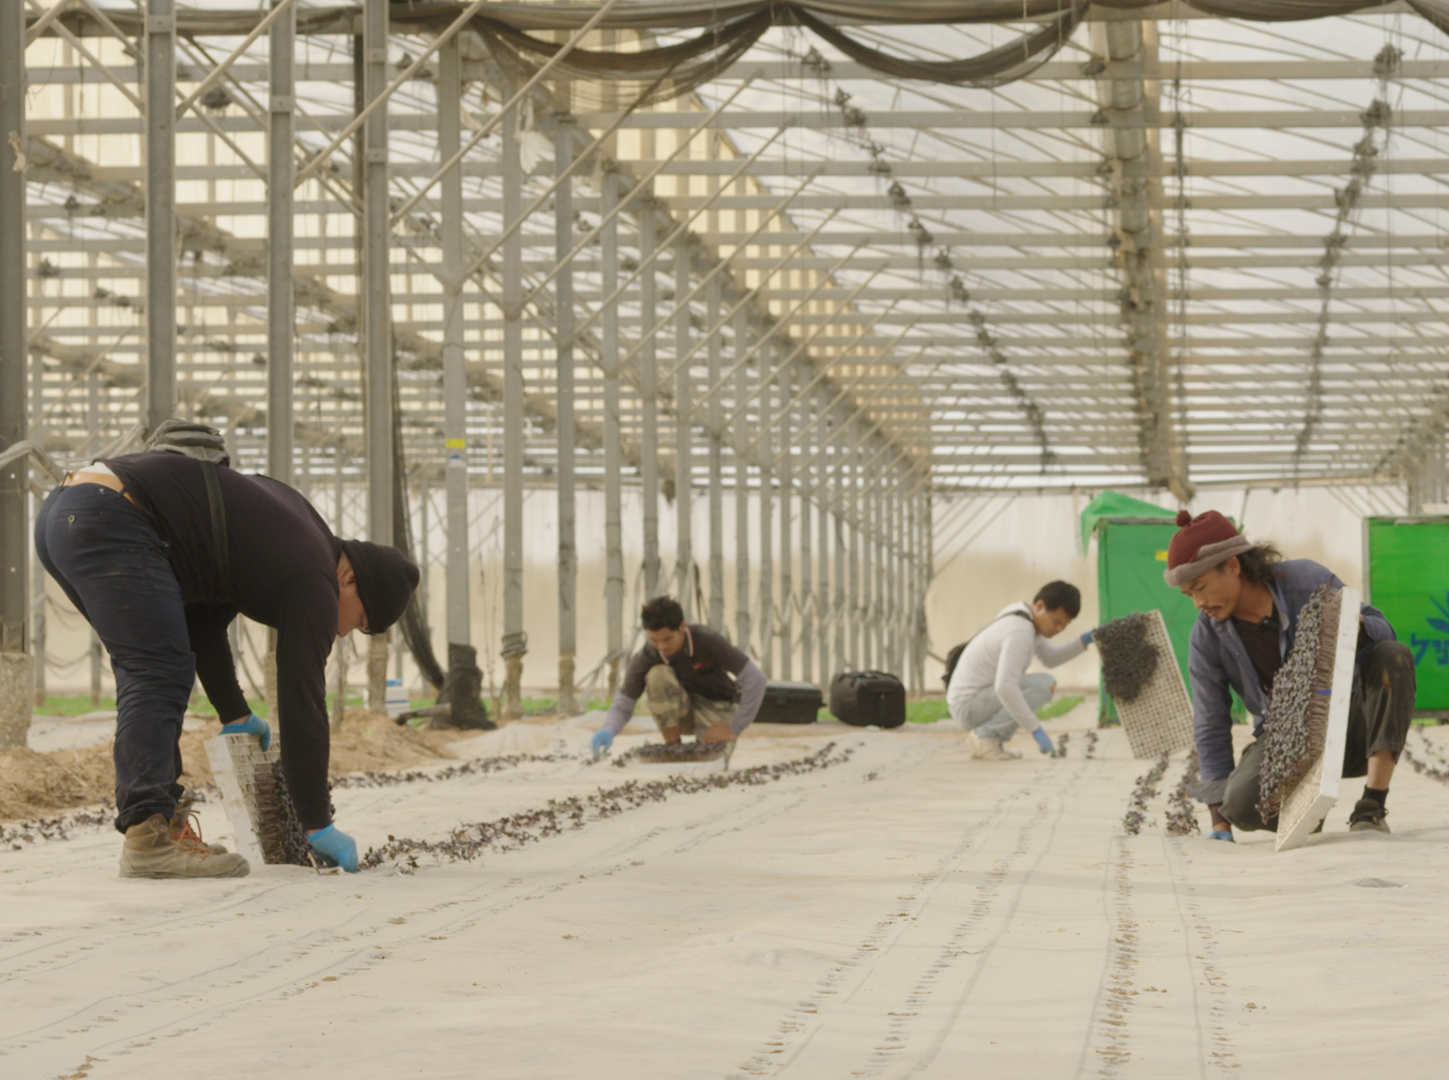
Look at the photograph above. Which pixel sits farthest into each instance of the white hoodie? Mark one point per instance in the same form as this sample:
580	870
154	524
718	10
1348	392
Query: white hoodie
998	657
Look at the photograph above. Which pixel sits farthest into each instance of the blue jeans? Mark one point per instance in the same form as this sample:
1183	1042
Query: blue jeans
986	715
107	556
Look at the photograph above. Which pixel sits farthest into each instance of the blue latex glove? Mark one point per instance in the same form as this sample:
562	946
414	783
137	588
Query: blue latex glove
1044	741
602	740
1089	635
335	847
252	725
1222	834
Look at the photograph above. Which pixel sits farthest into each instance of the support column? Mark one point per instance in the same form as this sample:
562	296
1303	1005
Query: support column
376	322
649	400
683	437
840	611
881	613
515	641
281	298
463	671
160	186
16	673
822	577
93	446
787	546
568	555
766	497
716	462
807	608
741	436
38	635
613	455
853	592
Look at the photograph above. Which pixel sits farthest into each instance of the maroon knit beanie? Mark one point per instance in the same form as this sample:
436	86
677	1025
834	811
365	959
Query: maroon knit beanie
1201	543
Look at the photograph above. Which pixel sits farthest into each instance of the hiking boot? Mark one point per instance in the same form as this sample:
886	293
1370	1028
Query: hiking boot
989	749
151	852
1368	816
182	830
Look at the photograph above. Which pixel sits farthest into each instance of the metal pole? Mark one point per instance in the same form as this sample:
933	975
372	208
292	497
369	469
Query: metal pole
16	675
15	663
160	211
281	298
766	499
515	643
376	322
716	468
838	610
822	592
93	444
742	495
455	374
881	602
787	547
568	556
613	455
852	611
38	636
648	404
807	612
683	440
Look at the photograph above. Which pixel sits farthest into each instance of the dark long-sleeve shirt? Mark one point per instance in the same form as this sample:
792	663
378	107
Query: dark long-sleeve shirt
1218	663
283	574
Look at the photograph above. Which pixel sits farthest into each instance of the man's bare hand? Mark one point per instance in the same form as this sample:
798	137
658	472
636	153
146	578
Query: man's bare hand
718	732
671	735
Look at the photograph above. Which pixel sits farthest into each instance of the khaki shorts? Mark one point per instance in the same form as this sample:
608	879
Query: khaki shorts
675	709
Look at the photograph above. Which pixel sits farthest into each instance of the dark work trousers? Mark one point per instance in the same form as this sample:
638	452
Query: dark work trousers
1379	713
107	556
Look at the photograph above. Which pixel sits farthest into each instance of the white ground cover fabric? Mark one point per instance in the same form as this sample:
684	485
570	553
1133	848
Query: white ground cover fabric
910	912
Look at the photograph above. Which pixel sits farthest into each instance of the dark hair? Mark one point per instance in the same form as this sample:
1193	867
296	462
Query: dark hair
1059	596
1259	565
662	613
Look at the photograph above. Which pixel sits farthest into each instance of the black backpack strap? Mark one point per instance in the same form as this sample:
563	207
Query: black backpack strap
218	526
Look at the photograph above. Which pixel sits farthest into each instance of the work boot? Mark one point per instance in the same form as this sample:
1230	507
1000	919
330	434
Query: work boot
1368	816
182	830
151	852
986	749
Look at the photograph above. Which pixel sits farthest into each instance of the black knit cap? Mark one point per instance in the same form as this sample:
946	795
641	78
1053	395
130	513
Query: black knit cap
386	579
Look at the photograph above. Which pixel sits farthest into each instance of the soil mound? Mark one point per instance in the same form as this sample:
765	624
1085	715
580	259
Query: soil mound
33	784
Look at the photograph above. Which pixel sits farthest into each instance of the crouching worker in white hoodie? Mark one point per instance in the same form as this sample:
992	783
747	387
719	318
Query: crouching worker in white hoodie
990	694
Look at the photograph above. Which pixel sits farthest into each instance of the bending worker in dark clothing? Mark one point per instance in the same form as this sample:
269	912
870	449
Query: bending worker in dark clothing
686	671
130	541
1249	599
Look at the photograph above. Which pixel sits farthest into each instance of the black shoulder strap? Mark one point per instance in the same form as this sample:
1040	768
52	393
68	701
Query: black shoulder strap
218	525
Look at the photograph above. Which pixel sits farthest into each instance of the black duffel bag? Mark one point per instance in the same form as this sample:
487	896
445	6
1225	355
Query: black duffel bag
790	703
866	698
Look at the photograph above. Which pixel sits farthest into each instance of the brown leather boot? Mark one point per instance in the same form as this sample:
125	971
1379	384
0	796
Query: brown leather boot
151	852
186	827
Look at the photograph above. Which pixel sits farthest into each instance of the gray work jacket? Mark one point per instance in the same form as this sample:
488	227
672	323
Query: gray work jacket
1218	660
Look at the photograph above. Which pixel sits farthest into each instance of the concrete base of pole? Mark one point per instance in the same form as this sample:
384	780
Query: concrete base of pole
567	703
513	687
17	687
377	673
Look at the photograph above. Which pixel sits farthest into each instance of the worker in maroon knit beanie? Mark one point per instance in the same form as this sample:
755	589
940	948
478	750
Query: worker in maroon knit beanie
1249	597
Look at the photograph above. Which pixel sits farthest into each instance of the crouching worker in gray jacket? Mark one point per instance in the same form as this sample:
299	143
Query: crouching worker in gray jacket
686	670
1249	598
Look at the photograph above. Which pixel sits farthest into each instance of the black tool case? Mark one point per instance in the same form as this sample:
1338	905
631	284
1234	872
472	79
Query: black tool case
866	698
790	703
